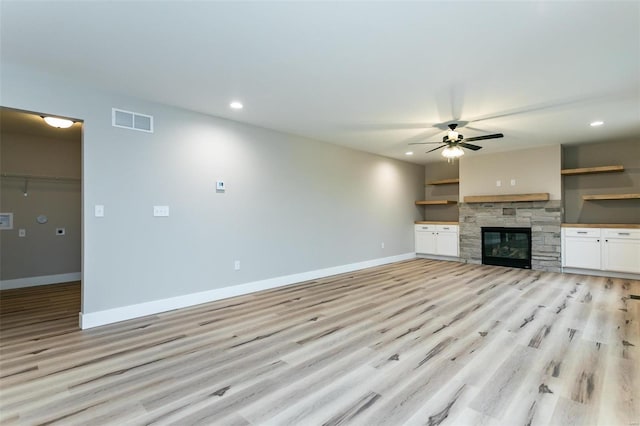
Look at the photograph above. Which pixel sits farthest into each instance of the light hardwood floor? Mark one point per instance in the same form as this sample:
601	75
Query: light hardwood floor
418	342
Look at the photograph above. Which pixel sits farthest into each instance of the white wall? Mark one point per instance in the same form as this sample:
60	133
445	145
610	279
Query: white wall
291	205
534	170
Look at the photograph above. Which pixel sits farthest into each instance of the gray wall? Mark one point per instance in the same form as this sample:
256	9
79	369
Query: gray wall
534	170
438	171
41	252
292	205
625	152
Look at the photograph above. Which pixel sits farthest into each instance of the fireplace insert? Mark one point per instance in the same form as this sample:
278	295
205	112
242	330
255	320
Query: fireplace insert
506	247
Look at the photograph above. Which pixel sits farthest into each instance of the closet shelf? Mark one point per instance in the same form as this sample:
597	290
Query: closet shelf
589	170
39	177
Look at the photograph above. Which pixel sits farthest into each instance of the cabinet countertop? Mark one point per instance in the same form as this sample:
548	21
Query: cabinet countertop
602	225
429	222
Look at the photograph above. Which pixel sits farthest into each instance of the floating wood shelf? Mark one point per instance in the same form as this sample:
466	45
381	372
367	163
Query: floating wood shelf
589	170
596	197
542	196
434	202
443	181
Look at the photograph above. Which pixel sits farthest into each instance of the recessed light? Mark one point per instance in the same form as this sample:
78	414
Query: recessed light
61	123
596	123
408	153
235	105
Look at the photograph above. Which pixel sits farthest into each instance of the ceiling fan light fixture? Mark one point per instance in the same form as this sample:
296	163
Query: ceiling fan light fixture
452	152
61	123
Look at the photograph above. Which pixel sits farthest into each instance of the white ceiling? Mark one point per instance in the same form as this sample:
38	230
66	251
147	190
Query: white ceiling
369	75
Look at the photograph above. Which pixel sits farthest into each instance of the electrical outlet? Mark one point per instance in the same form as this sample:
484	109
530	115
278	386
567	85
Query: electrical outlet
381	245
513	182
236	265
161	211
99	210
60	231
498	183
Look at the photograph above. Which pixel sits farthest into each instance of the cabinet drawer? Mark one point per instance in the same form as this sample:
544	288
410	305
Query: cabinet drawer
423	228
447	228
582	232
633	234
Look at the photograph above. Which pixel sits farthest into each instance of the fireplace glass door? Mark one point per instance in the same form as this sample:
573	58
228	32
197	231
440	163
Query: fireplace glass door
506	247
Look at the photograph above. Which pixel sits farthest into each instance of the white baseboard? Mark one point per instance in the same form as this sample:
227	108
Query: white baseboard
108	316
41	280
600	273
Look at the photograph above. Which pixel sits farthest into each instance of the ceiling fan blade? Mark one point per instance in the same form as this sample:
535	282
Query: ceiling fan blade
375	127
470	146
428	133
423	143
435	149
475	129
484	137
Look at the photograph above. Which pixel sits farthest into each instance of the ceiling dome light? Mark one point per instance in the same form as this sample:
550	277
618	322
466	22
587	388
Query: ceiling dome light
596	123
236	105
61	123
408	153
452	152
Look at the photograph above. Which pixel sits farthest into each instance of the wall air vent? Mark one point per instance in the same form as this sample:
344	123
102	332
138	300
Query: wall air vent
131	120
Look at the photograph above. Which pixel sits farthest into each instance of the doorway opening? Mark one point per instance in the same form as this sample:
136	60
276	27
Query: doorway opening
41	240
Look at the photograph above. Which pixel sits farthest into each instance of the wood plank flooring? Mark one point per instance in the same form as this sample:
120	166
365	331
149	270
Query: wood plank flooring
419	342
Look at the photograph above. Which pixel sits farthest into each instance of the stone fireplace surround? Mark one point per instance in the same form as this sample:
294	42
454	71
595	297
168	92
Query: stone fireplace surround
544	218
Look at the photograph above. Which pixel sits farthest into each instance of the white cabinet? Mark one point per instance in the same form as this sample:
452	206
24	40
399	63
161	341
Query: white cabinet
440	240
605	249
581	248
425	238
621	250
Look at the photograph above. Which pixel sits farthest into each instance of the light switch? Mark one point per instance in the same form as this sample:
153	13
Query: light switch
99	210
22	232
513	182
498	183
161	211
60	231
220	185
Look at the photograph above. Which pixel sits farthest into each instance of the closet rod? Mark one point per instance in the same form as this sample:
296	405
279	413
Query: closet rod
18	176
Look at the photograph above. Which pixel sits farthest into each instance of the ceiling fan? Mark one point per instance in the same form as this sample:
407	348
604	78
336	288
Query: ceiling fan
454	142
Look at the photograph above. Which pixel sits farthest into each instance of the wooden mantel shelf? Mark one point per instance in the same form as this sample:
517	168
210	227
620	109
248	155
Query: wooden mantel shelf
588	170
610	197
434	202
507	198
443	181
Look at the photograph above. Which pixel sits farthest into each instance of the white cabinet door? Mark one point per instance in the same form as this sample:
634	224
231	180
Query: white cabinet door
621	255
426	242
447	243
582	252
